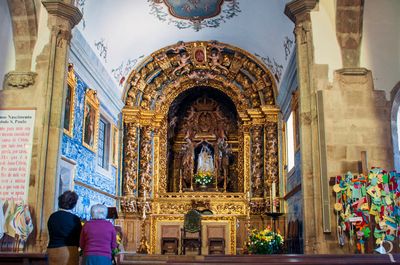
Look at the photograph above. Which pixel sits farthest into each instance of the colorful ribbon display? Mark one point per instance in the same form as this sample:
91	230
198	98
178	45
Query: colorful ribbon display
368	205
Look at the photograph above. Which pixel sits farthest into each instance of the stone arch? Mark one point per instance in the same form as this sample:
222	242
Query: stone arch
25	31
394	117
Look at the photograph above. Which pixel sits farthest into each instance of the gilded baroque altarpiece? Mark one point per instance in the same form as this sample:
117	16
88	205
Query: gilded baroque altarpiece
198	107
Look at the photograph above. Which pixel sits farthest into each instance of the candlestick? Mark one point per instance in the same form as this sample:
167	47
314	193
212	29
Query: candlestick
180	180
270	199
273	196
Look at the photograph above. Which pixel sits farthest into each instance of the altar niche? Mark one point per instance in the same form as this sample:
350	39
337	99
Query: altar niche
202	142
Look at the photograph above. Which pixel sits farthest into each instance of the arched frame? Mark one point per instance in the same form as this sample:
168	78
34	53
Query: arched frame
148	94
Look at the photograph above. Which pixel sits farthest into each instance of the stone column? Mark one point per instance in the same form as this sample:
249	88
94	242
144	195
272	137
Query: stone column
62	18
299	12
349	22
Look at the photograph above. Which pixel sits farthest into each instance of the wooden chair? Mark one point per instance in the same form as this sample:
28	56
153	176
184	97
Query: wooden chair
169	239
191	232
216	239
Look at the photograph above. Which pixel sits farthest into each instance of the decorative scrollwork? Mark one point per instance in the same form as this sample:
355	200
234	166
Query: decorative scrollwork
199	62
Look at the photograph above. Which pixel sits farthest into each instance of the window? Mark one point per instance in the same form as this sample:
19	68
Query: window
290	142
103	144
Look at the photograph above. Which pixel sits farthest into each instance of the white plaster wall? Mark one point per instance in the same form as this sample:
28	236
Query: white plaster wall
326	47
7	53
43	36
380	49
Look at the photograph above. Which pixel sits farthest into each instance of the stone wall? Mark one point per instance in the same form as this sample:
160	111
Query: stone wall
357	118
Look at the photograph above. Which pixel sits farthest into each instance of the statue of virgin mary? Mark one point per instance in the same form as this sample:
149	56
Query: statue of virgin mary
205	163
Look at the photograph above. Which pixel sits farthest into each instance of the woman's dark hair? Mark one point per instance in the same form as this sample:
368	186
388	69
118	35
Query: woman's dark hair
67	200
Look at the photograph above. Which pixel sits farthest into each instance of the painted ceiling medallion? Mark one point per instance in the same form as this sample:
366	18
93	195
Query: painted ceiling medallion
196	14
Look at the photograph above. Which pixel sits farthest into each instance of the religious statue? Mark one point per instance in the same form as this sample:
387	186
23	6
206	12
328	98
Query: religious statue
224	153
188	163
205	162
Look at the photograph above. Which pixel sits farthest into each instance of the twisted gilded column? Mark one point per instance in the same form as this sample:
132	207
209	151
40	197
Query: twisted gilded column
246	158
257	185
271	157
131	160
145	169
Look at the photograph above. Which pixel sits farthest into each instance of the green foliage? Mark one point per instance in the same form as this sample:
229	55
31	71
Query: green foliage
265	242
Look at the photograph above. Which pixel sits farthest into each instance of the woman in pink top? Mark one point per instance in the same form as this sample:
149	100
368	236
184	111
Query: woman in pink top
98	238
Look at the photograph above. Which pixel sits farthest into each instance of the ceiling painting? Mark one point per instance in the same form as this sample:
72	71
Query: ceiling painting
194	9
196	14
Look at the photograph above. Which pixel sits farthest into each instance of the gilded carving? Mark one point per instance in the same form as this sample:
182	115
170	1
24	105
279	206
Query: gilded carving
128	205
215	59
183	59
69	103
271	153
184	205
145	161
257	207
231	220
240	158
153	90
257	162
162	184
131	160
156	167
246	157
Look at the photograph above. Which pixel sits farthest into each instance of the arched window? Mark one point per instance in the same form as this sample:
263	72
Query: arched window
395	121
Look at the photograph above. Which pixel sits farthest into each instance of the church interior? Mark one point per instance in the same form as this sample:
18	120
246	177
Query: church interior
207	127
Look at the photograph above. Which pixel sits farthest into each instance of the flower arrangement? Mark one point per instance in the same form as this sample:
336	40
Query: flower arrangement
118	249
203	178
265	242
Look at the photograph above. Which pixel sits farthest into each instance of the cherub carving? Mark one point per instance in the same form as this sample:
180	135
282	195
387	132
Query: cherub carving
183	63
215	64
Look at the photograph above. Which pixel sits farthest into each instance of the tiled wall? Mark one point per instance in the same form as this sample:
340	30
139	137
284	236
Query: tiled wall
85	159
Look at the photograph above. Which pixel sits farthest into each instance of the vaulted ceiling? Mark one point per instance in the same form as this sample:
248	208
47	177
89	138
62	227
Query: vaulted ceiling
123	32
